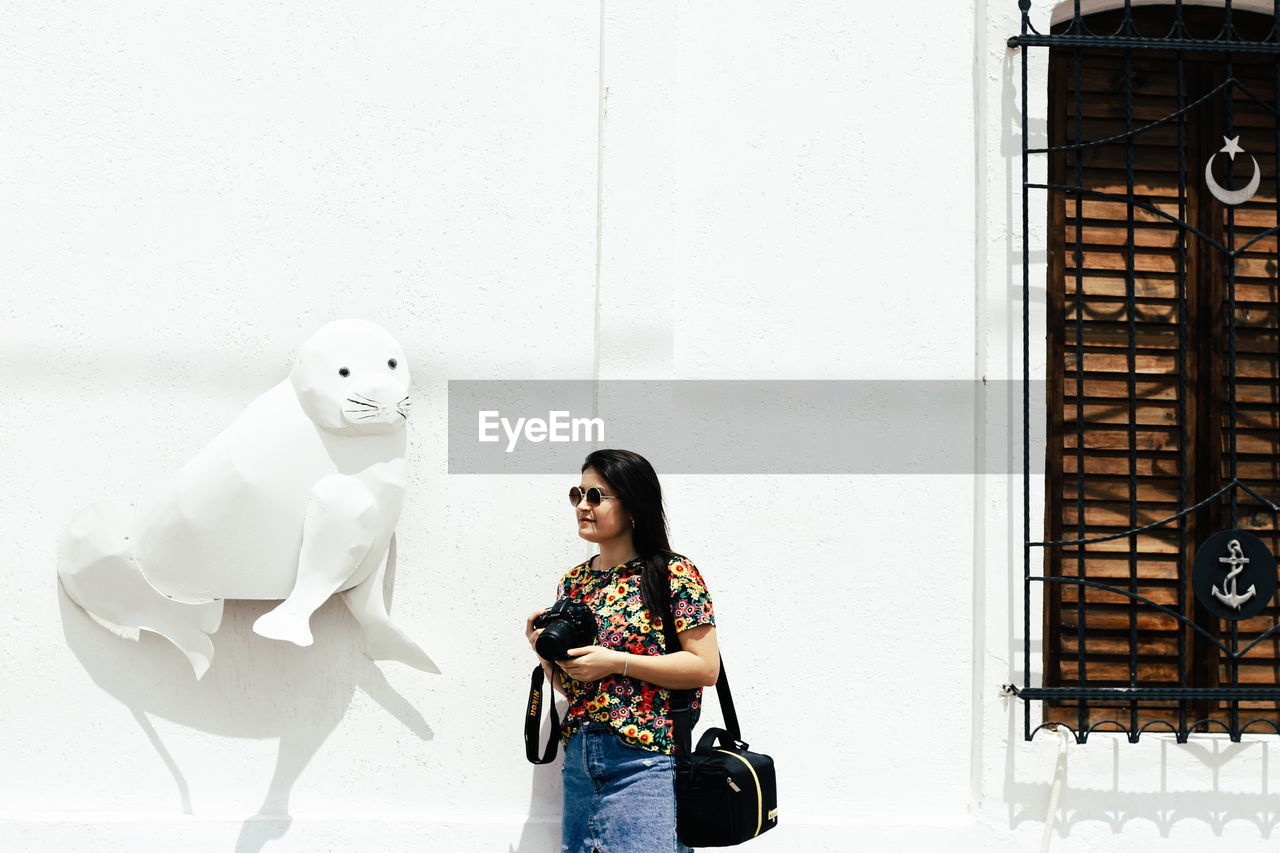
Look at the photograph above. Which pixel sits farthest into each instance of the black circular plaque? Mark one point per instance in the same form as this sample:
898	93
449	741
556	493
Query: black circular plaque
1234	574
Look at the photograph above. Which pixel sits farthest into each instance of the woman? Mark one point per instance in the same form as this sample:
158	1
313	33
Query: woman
619	794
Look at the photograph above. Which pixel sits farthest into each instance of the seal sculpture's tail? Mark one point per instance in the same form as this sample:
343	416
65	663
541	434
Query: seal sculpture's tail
100	572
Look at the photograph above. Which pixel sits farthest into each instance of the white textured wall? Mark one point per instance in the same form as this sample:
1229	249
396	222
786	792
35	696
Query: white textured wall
189	194
568	190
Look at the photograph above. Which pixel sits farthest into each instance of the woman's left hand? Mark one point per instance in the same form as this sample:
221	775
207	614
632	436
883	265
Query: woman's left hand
592	663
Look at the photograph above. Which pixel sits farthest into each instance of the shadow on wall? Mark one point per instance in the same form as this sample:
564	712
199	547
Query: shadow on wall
257	688
1115	807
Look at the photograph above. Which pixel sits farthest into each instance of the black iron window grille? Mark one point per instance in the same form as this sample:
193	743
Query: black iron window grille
1162	462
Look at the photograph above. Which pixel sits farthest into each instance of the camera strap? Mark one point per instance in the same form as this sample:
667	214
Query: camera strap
532	719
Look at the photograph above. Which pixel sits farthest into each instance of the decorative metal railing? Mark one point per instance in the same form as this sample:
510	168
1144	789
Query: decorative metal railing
1200	576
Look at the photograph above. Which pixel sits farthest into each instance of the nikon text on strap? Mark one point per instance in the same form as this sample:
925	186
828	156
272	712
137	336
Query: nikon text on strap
532	719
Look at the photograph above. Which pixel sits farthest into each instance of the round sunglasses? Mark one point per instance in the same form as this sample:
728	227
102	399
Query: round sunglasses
593	496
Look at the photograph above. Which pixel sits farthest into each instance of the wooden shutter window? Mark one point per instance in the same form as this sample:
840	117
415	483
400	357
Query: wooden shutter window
1139	420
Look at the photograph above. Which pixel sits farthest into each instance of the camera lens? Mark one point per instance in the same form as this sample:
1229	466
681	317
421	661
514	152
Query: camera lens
555	640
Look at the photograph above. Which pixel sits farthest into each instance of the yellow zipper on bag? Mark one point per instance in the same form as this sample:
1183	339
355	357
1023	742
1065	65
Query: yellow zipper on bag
759	795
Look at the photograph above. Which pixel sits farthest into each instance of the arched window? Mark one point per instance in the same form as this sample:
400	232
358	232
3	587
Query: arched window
1163	367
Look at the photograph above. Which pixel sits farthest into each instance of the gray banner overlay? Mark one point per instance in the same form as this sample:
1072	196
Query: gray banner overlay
745	426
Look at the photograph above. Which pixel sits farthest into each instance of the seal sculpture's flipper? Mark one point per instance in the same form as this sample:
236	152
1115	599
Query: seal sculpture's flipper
337	533
383	640
100	572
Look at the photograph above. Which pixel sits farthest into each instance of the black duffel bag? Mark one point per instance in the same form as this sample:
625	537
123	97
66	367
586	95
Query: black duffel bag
725	794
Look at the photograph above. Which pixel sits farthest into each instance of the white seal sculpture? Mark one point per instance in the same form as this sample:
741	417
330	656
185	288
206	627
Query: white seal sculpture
296	500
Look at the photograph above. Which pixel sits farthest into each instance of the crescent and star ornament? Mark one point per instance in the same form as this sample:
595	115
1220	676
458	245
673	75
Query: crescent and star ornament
1232	197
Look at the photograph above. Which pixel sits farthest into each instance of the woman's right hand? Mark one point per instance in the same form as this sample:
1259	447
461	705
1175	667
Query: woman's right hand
531	633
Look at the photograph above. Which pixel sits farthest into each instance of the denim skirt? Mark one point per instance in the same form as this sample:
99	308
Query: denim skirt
617	798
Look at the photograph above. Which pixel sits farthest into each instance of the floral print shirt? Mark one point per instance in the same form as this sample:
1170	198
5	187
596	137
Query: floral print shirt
636	709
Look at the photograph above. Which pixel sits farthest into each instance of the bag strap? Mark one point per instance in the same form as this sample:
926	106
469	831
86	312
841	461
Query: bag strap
710	736
532	720
727	710
681	712
681	700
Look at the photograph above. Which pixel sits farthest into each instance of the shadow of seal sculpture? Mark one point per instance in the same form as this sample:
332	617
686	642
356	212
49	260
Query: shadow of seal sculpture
297	499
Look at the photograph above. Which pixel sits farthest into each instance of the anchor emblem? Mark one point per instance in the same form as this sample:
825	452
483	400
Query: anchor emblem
1237	561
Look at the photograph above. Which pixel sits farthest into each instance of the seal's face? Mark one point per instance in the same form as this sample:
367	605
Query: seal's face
352	377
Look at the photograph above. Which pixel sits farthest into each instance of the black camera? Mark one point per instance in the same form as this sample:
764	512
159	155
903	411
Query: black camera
568	624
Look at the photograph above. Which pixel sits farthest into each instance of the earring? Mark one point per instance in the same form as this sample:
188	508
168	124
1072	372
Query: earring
633	524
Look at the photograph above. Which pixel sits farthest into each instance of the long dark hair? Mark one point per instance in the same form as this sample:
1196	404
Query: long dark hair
635	483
